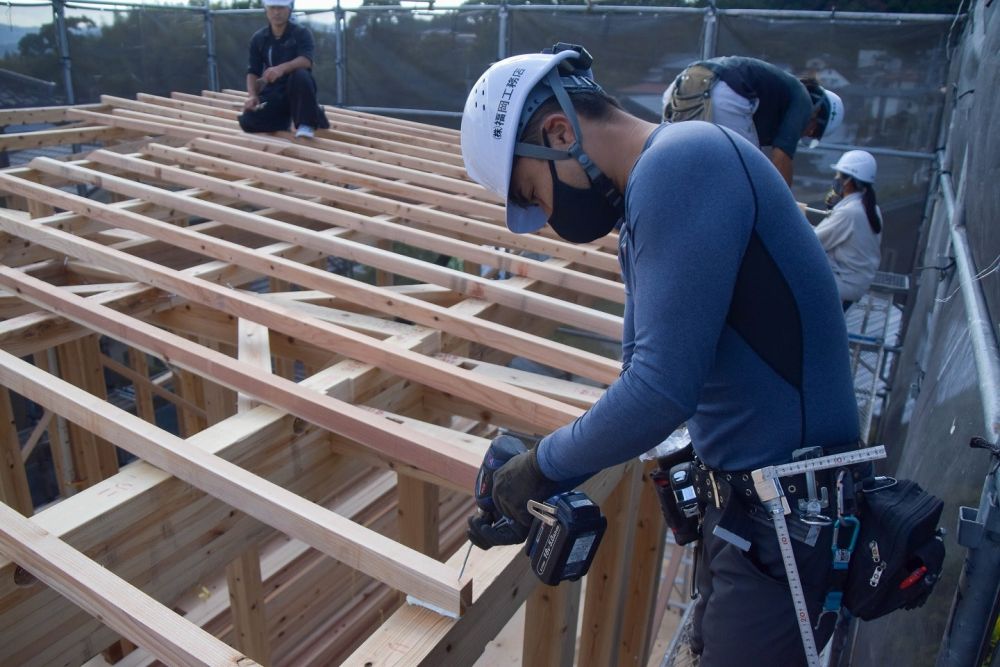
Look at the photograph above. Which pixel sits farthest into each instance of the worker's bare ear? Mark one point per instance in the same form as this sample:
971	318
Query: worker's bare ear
558	130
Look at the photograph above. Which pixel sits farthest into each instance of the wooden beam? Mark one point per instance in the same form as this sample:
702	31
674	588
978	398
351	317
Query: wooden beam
446	223
404	443
474	286
32	115
19	141
502	582
114	601
497	396
193	131
145	386
377	556
393	143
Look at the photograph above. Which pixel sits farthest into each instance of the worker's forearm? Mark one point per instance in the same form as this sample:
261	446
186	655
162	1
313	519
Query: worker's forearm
301	62
783	162
252	84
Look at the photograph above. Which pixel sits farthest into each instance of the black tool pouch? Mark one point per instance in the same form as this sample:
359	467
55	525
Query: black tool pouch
684	527
899	553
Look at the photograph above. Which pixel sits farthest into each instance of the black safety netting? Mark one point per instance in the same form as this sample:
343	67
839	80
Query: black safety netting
415	59
635	55
122	53
890	75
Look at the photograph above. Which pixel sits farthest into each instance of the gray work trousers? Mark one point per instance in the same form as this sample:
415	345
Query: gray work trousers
744	615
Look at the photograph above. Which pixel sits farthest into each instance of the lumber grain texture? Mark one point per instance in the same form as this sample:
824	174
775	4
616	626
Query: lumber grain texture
113	601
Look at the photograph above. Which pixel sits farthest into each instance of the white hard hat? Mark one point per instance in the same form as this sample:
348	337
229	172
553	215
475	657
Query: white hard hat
278	3
492	121
833	113
859	165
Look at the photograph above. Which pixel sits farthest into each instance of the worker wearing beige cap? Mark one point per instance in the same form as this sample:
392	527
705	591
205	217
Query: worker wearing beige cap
280	85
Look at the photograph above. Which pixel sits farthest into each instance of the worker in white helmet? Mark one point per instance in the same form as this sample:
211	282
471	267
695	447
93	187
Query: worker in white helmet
732	324
852	233
280	86
765	104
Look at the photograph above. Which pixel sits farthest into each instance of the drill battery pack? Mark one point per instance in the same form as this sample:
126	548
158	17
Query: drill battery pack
564	537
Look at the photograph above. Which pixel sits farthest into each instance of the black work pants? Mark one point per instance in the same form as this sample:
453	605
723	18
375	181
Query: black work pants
291	99
744	616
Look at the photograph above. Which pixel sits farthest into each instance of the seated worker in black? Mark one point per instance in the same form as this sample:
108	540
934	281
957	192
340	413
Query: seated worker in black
762	103
280	85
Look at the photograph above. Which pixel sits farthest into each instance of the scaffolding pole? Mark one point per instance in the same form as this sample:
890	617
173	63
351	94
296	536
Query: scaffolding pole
213	64
62	37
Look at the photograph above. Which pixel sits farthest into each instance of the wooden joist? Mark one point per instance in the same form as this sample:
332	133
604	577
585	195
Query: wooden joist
17	141
546	413
377	556
122	606
366	377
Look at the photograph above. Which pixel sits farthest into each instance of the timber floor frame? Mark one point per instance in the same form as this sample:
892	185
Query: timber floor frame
332	323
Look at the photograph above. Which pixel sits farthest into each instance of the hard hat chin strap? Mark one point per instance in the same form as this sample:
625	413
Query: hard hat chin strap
594	174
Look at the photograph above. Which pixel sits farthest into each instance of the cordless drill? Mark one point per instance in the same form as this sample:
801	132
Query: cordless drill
562	539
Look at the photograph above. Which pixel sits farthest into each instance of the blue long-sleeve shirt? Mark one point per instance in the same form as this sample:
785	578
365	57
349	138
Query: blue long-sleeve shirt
732	319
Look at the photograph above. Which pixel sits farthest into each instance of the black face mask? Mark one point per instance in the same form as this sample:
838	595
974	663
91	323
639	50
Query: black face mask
582	215
838	186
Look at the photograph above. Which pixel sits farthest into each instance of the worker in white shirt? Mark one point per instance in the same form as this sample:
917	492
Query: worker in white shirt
851	234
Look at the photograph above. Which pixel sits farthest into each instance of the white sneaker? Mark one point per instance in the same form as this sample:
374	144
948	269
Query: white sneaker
305	131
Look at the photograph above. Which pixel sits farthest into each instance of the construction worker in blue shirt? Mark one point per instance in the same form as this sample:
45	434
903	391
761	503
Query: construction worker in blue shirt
732	322
762	103
280	85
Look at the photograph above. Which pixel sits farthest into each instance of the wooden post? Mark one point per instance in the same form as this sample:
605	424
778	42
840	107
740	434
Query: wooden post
644	578
143	394
550	625
246	603
246	590
13	480
94	459
606	581
219	401
188	386
59	444
417	514
282	365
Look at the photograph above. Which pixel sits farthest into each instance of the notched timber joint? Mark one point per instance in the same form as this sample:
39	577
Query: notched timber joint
23	578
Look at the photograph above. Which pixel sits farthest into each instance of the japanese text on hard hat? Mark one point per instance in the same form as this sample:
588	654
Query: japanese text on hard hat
501	116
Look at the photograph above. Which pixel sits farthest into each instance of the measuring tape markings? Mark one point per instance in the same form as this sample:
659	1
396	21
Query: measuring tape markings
778	509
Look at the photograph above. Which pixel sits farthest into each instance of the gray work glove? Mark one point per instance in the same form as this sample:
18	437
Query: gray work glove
517	482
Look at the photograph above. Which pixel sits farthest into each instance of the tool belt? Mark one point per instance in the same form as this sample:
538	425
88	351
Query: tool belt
718	488
691	98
